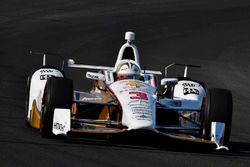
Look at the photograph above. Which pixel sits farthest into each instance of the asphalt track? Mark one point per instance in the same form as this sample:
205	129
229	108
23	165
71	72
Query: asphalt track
213	34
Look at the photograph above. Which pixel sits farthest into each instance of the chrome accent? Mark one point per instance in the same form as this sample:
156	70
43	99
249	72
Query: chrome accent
177	127
217	135
88	121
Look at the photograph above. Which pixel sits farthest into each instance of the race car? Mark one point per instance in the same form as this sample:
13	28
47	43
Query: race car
126	98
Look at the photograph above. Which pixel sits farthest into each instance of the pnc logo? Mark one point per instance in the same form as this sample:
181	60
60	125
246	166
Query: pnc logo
59	126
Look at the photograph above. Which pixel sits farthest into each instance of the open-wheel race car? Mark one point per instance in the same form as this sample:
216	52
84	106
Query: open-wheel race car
126	98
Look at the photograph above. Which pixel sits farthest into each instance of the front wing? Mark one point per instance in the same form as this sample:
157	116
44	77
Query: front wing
62	125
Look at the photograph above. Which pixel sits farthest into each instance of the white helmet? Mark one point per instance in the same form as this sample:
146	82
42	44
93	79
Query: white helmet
128	69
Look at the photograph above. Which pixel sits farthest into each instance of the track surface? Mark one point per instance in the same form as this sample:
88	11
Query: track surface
215	35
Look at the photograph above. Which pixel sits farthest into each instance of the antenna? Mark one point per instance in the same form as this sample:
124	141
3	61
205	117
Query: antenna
185	71
166	69
44	59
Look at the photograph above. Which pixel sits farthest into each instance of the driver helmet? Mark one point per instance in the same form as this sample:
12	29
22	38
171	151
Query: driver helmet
128	69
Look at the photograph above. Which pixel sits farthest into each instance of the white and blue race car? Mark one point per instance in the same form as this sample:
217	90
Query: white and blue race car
125	98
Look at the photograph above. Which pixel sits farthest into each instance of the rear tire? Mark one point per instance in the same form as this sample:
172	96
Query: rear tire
58	94
218	109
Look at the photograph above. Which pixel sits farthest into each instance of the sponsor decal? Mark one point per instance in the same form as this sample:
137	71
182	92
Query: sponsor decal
95	77
140	103
190	88
134	84
59	126
188	85
124	90
132	89
141	110
187	91
138	95
46	71
45	76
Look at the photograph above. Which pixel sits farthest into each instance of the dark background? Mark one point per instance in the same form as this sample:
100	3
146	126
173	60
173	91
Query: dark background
213	34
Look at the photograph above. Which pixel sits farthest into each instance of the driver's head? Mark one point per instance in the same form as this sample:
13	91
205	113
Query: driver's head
128	69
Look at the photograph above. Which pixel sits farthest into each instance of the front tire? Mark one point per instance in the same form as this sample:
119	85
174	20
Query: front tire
58	94
218	109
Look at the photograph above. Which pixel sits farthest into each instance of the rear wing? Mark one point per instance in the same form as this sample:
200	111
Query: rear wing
45	54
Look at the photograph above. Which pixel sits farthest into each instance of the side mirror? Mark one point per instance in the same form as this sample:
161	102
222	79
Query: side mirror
169	81
71	62
95	76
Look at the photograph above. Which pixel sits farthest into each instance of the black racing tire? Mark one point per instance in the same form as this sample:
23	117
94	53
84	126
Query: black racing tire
58	93
27	121
219	107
